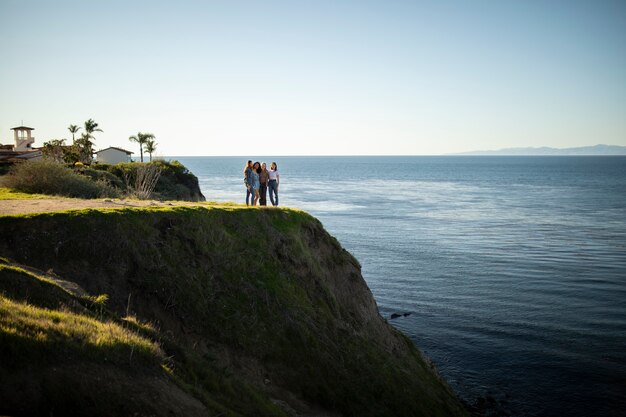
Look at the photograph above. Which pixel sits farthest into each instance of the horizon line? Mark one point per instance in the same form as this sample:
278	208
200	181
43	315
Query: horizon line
379	155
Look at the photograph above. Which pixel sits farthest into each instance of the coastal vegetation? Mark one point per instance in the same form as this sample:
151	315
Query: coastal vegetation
48	177
81	150
207	310
67	170
159	179
175	181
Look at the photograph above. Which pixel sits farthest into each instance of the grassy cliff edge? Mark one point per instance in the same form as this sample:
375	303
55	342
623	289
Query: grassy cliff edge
207	310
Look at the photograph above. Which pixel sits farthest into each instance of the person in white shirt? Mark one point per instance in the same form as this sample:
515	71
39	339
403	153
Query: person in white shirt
273	184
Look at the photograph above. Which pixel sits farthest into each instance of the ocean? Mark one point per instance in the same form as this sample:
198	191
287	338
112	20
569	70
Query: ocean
513	269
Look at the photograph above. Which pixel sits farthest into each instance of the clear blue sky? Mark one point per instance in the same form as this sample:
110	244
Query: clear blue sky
317	77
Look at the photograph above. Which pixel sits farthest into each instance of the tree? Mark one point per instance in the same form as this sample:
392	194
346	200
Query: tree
150	146
141	139
85	148
71	154
84	145
54	150
73	130
90	127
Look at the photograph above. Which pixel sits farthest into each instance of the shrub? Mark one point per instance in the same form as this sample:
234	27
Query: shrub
48	177
99	175
141	184
176	182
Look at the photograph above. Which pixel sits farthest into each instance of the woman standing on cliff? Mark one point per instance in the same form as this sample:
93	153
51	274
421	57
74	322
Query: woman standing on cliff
264	177
247	181
254	182
273	184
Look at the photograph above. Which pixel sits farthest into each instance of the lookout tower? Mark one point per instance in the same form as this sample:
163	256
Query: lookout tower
23	138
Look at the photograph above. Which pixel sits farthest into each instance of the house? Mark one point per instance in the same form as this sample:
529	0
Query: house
22	150
113	155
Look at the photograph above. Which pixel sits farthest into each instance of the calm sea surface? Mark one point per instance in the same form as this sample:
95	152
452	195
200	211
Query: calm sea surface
514	268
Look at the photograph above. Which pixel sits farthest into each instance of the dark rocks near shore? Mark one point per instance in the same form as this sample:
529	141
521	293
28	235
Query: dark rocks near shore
488	406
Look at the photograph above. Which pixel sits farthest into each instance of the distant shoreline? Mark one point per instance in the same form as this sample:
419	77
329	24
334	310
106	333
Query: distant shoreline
595	150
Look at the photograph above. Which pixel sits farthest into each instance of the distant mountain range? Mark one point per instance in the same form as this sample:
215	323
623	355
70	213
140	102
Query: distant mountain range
584	150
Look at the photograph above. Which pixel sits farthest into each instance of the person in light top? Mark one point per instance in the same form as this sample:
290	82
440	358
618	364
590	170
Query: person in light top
273	184
254	182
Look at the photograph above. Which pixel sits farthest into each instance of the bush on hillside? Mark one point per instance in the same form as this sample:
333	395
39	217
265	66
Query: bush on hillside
146	177
99	175
48	177
176	182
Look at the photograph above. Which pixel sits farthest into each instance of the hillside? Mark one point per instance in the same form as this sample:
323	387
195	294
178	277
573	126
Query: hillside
197	310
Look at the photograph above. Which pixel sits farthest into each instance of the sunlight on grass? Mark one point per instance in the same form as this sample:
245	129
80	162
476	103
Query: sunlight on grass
71	330
12	194
139	325
25	273
175	206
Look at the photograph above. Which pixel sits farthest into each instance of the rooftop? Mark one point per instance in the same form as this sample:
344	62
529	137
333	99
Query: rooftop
117	149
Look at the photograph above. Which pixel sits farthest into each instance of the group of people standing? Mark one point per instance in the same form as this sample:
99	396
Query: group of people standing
258	180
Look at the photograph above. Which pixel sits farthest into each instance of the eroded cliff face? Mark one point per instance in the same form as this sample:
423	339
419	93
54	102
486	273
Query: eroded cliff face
258	312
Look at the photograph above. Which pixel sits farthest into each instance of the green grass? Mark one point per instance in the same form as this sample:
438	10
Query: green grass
13	194
236	295
35	331
74	357
23	285
42	324
39	314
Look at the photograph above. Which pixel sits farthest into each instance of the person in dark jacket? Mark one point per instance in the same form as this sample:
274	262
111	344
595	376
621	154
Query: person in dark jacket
264	178
247	181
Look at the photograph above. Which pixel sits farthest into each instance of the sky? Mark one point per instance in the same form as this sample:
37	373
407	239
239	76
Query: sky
338	77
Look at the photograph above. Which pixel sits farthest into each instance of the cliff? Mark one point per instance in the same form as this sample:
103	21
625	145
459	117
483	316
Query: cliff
208	310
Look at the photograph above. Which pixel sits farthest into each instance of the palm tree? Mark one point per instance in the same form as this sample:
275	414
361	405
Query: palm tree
73	129
141	139
85	148
84	144
90	127
151	146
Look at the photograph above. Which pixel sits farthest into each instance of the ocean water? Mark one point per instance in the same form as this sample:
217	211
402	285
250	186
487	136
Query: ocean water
513	268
